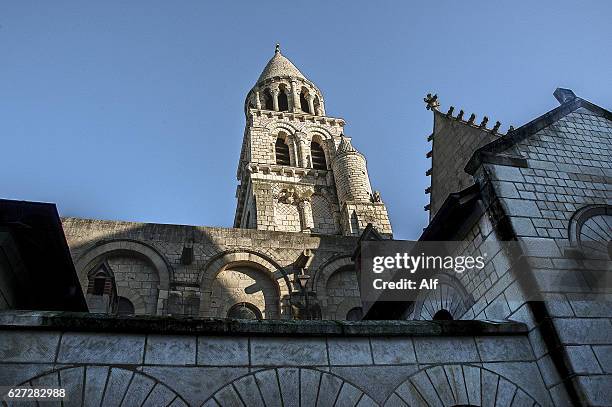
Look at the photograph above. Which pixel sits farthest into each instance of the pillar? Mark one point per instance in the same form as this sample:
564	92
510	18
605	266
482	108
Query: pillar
310	99
275	93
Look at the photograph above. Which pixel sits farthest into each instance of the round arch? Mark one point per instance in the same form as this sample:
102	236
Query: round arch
600	229
107	247
265	386
249	258
134	297
451	296
460	384
85	385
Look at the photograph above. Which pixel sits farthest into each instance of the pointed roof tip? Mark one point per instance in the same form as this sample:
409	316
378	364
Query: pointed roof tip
279	65
564	95
345	146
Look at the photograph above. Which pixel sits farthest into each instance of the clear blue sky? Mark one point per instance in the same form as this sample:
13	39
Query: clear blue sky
134	110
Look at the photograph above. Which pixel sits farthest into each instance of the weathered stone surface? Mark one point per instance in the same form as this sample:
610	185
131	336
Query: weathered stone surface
445	350
355	351
195	384
392	351
492	349
101	348
170	350
20	346
221	351
285	352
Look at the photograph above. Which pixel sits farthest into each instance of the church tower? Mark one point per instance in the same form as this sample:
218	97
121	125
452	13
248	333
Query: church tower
297	170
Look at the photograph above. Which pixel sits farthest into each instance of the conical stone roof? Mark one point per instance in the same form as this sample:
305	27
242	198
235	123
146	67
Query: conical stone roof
345	146
279	65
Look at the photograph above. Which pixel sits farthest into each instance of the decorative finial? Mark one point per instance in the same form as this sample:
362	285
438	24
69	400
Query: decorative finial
472	118
460	115
511	128
450	111
432	102
496	127
484	122
277	49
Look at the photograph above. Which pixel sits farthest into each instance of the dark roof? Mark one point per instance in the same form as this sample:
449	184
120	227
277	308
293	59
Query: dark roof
48	280
569	103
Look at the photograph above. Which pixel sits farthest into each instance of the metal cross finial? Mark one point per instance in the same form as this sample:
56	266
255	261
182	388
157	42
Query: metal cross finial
277	49
431	101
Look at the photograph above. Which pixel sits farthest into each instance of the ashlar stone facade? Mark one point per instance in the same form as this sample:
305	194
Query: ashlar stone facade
304	198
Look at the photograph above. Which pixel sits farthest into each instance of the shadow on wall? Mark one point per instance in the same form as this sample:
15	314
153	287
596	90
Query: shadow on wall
198	271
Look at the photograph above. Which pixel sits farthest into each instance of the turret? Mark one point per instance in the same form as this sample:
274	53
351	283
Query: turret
350	173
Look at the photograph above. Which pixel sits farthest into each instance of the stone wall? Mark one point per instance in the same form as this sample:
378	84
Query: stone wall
194	286
453	143
231	363
569	171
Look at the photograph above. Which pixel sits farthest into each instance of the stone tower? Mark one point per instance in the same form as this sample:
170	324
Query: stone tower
297	171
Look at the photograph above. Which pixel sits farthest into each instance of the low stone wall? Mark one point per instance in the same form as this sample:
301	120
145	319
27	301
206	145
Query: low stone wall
157	361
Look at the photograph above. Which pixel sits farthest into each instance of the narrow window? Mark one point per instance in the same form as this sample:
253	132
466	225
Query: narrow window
99	285
304	103
318	156
283	102
269	105
282	152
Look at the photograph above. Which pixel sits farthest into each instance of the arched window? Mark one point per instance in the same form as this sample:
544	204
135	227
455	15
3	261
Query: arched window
354	314
244	310
282	152
124	306
304	103
268	103
591	230
283	102
101	281
443	315
318	156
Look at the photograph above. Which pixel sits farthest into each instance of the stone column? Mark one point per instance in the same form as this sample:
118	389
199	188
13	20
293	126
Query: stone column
275	93
310	99
306	215
257	100
295	97
303	150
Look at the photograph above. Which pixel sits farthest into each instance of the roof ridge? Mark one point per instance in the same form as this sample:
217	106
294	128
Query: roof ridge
433	104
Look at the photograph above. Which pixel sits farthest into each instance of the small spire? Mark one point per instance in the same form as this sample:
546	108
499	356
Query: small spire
277	49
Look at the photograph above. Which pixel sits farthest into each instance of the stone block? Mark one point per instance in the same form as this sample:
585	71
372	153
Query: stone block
392	351
288	351
170	350
604	355
498	348
101	348
582	359
584	330
195	384
28	346
349	351
446	350
248	390
223	351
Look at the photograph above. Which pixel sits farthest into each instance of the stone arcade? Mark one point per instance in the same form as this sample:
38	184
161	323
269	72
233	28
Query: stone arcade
304	201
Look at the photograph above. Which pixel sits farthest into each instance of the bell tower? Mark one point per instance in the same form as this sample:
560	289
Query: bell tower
297	171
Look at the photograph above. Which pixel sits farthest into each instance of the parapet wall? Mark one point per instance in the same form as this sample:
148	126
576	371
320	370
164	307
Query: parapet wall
185	361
